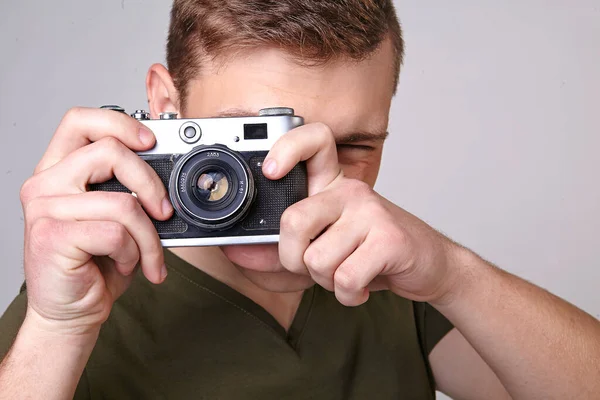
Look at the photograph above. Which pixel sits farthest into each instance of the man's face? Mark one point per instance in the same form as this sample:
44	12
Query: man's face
352	98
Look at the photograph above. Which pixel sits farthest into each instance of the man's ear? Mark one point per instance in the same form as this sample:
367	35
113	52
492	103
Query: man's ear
161	92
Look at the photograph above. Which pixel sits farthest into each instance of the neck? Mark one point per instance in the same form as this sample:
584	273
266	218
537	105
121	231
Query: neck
212	261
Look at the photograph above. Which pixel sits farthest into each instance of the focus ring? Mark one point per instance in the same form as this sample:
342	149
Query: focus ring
199	214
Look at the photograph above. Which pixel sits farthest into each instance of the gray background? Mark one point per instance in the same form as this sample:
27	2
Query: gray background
494	134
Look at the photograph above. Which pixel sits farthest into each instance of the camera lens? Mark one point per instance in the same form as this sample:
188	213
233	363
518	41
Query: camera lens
212	187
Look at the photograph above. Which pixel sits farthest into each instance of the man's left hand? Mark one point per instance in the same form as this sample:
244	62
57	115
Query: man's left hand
348	238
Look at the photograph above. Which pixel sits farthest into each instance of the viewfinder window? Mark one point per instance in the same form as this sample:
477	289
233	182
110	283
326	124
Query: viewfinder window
255	131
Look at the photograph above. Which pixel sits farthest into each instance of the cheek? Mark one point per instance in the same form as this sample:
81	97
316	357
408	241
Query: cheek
365	171
262	258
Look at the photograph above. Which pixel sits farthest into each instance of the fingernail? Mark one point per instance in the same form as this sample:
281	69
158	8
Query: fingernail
163	273
166	207
146	137
270	167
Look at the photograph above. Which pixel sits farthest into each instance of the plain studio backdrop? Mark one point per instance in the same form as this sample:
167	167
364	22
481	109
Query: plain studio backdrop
495	132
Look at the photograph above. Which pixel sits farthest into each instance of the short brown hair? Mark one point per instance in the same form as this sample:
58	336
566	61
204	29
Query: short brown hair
312	31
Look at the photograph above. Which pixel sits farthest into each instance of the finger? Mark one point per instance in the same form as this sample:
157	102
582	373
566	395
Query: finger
328	251
352	278
78	241
313	143
116	244
116	282
122	208
105	238
99	162
81	126
303	222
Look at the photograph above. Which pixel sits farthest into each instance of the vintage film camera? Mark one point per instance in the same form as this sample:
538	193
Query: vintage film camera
212	169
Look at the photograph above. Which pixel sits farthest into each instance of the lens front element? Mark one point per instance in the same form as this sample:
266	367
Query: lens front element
212	187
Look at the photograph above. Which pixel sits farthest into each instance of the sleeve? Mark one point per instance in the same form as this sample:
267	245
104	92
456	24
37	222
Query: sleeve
11	322
432	326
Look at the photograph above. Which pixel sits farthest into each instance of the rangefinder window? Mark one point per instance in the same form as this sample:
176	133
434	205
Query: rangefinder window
255	131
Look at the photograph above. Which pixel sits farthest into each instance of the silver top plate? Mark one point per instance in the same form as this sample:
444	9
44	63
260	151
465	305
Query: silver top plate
227	131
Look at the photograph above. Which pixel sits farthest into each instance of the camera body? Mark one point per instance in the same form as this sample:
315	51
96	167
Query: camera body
212	169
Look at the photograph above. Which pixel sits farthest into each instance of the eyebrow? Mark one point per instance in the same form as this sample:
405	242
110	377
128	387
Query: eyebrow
347	138
235	112
361	137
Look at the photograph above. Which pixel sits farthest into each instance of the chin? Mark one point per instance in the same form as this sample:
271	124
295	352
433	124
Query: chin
260	265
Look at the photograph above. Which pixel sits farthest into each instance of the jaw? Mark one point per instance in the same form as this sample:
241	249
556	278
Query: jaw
260	265
257	258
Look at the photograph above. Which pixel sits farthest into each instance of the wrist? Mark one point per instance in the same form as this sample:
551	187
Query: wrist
45	360
461	268
38	329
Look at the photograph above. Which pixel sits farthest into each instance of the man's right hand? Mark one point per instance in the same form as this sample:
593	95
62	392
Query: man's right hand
81	247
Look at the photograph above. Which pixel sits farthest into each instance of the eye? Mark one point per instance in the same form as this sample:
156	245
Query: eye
354	147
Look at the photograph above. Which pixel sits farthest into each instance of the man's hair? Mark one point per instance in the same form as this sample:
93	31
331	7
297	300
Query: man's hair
313	32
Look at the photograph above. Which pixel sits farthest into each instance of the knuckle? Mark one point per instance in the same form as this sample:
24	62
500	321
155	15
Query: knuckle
28	190
107	149
111	144
346	280
313	259
34	209
294	220
325	133
127	203
390	237
73	115
377	213
323	129
368	203
116	235
43	231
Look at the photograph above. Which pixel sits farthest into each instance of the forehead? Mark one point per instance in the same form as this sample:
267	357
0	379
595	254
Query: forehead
347	95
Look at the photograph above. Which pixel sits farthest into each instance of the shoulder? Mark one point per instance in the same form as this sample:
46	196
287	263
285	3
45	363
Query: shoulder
399	319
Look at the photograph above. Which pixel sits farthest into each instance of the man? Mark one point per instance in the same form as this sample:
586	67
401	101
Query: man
336	310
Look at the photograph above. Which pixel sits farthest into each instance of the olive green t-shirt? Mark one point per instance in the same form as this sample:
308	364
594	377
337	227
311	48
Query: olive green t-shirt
193	337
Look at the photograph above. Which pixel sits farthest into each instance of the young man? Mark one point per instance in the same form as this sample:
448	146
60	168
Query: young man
336	311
